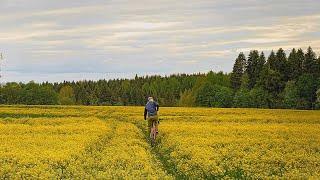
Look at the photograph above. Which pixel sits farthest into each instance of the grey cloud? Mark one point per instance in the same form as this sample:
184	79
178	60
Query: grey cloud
59	37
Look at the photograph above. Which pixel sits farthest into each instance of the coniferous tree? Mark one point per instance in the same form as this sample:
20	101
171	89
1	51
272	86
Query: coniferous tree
271	63
252	67
260	66
275	75
237	72
310	64
262	61
282	64
104	94
295	61
292	59
271	82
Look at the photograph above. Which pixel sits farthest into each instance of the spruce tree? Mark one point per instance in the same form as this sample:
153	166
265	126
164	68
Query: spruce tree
252	66
260	65
309	64
237	72
292	62
262	60
295	61
281	65
271	63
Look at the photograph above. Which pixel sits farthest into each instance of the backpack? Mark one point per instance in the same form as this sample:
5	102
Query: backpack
151	108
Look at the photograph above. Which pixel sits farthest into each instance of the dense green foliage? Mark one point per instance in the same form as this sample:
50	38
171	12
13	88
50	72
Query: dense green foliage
276	82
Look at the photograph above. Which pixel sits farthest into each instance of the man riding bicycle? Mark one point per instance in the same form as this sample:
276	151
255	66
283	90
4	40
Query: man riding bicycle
151	113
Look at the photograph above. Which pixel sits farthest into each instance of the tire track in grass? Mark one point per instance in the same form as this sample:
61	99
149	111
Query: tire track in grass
122	153
142	136
158	158
169	167
79	166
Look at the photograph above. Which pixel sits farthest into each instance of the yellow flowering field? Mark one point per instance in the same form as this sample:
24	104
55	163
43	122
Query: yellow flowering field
72	142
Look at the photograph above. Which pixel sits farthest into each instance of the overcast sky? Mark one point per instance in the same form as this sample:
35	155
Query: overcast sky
56	40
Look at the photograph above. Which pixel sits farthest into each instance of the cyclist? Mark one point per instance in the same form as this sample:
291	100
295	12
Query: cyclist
151	113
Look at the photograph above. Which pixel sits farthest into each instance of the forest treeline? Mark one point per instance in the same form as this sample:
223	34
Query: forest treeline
276	81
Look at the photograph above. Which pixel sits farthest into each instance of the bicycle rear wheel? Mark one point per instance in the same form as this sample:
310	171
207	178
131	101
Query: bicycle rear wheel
153	134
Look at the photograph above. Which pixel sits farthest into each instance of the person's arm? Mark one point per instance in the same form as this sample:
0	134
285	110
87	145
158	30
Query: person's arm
157	106
145	113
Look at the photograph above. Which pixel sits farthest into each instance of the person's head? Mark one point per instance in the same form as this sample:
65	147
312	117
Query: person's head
150	98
